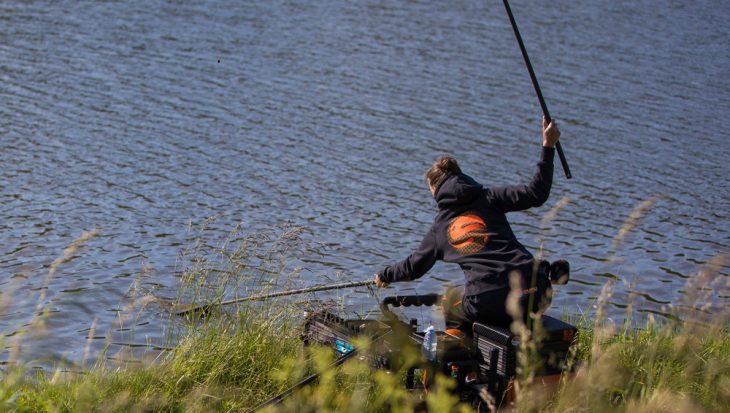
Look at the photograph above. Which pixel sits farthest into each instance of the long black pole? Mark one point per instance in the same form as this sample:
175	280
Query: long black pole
307	380
545	111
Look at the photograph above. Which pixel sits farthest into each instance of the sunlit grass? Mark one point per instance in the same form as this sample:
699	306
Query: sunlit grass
216	363
236	359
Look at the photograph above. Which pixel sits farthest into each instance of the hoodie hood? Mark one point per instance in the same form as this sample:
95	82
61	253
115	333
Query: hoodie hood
457	190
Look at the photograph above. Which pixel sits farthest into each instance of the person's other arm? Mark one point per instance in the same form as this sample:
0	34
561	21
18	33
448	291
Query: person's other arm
414	266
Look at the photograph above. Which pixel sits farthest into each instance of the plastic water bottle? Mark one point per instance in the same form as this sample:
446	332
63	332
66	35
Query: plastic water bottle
430	343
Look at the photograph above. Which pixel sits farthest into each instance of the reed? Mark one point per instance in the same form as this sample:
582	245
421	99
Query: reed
238	358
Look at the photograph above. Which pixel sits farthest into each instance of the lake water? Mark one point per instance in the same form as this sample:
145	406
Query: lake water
142	119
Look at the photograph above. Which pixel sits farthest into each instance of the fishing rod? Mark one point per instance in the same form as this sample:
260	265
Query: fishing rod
307	380
205	308
310	379
545	111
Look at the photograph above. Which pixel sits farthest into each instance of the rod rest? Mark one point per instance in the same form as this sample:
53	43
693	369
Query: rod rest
559	272
410	300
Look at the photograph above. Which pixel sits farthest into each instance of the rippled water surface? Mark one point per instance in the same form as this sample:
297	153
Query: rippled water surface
144	118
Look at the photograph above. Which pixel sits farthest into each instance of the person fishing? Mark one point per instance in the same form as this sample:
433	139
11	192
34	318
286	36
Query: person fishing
471	229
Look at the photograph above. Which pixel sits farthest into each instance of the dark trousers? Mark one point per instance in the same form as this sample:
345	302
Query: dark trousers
490	307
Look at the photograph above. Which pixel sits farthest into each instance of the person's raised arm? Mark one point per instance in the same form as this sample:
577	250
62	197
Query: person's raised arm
535	193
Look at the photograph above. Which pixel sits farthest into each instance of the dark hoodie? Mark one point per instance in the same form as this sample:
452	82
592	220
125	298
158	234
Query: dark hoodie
471	229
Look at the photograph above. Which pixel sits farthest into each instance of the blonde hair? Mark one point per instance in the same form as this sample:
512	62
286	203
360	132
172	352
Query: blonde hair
443	166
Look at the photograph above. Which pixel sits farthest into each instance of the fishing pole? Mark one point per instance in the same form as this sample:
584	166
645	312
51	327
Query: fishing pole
310	379
545	111
204	308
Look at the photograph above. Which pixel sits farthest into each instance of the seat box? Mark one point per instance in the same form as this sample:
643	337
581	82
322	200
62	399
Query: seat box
556	338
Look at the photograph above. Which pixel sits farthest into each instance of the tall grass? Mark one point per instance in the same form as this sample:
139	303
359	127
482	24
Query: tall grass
241	356
220	362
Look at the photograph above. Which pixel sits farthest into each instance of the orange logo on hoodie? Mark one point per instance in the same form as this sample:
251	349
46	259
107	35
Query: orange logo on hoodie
468	234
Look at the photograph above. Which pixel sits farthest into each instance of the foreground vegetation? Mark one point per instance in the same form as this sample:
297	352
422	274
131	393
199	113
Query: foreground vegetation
657	368
236	360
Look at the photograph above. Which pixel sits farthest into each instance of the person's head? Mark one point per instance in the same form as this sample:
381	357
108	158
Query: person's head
436	174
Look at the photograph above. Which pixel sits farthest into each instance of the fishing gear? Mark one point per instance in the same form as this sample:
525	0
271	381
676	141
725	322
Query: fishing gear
482	359
348	352
206	308
538	91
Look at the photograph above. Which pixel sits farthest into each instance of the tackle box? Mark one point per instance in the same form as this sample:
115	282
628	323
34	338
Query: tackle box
499	346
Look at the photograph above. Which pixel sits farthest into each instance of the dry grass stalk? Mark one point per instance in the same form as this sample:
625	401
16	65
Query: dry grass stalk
633	220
